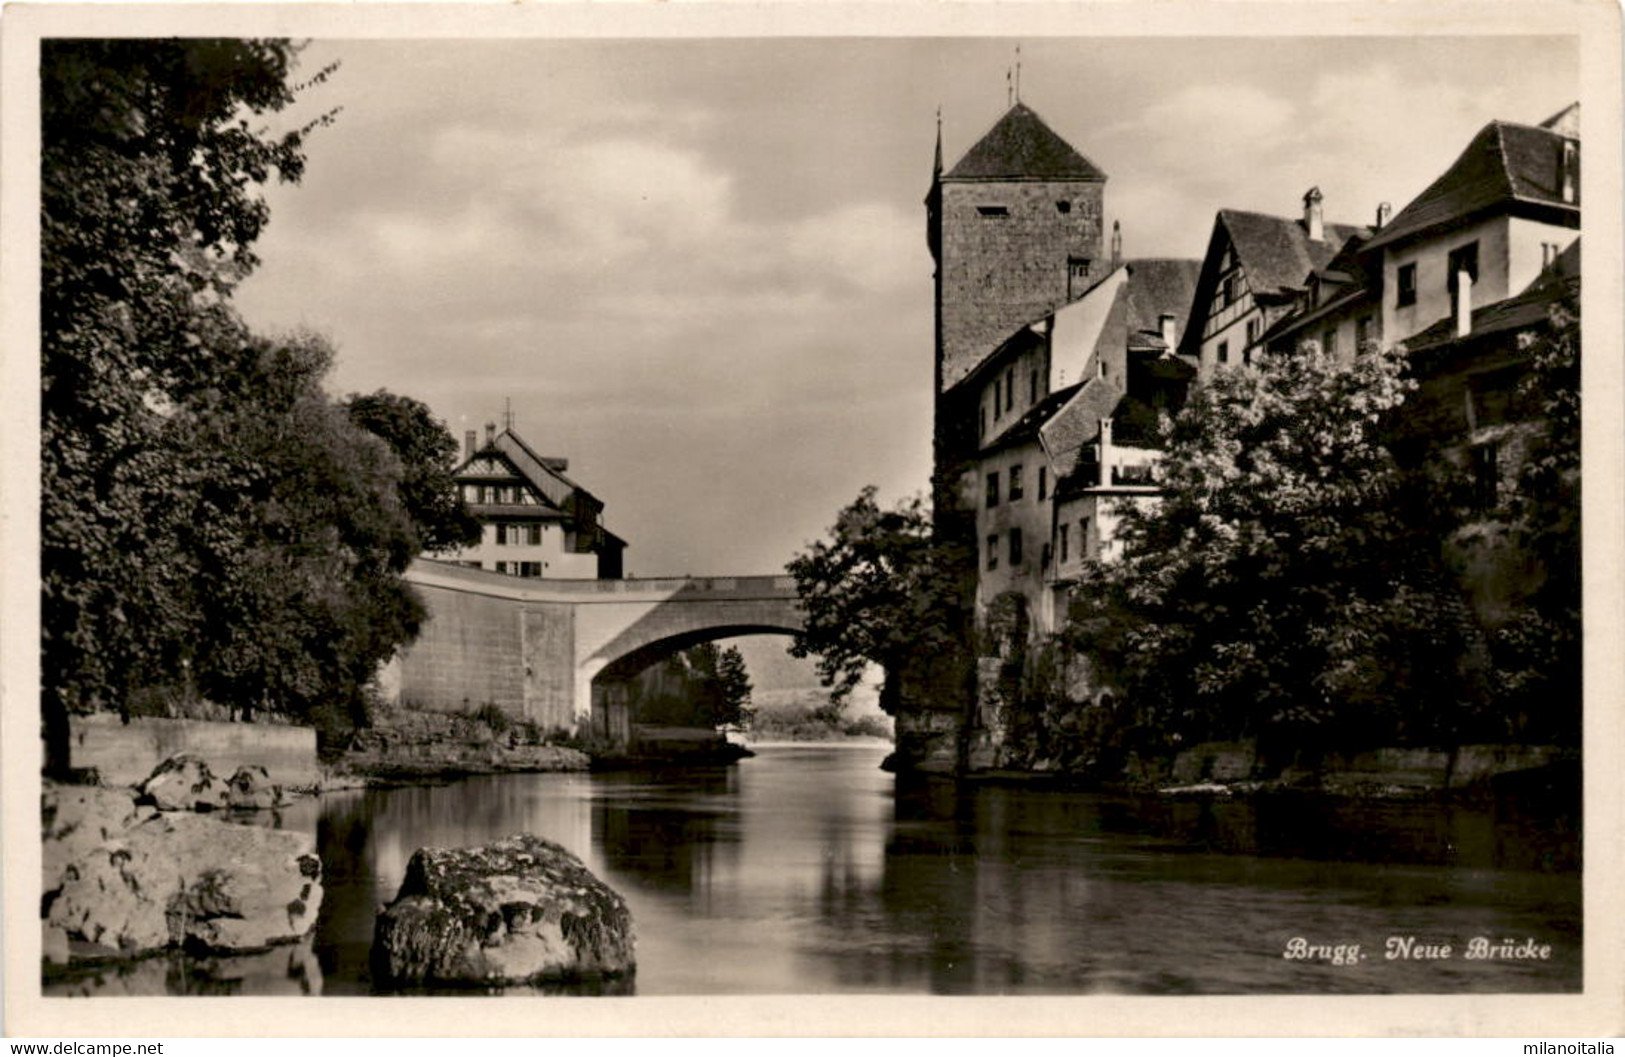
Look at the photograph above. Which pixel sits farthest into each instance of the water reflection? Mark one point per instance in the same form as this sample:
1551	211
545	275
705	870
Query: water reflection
808	870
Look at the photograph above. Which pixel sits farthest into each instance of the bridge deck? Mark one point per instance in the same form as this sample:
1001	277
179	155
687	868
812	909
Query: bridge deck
684	588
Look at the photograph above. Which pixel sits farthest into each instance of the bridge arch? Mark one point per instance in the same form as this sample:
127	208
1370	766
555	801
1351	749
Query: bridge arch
612	709
537	648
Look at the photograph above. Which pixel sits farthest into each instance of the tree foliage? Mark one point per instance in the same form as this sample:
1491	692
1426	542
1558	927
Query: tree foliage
149	206
1285	585
880	591
428	453
209	517
704	687
1538	652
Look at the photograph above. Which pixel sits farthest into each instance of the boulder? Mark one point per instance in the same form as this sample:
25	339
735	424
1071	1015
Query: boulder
251	789
520	910
121	883
184	783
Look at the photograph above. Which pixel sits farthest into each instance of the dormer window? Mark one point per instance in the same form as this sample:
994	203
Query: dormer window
993	211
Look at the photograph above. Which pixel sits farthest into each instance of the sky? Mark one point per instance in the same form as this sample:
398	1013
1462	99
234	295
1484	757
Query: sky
697	269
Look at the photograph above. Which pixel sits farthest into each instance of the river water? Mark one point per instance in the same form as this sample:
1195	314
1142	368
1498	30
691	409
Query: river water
807	869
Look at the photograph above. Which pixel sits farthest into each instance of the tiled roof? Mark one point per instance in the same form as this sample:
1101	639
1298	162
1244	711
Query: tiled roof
1277	253
1158	287
1025	428
1021	147
1505	163
1526	309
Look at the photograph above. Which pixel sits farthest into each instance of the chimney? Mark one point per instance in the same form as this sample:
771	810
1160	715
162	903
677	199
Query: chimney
1385	213
1463	306
1117	244
1168	323
1568	172
490	433
1311	215
468	443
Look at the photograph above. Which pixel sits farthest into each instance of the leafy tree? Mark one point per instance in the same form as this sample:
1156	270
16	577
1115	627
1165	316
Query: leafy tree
1285	586
733	680
1538	653
428	454
879	591
300	579
149	208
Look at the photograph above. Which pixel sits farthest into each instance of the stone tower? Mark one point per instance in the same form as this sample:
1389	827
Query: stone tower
1016	231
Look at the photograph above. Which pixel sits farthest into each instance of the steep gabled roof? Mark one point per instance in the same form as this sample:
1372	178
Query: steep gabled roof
1277	252
1159	287
1505	164
1021	147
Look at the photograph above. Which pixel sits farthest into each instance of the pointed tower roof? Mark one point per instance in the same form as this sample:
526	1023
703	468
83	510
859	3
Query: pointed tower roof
1021	147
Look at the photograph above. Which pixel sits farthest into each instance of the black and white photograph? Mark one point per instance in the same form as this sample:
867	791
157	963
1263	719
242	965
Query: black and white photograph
590	507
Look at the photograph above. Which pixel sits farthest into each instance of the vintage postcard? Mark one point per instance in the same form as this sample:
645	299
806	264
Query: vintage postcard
911	519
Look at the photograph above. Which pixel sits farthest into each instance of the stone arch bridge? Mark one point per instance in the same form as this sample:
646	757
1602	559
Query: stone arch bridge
554	651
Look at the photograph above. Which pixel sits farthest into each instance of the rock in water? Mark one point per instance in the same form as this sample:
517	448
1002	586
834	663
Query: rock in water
120	884
520	910
184	783
251	789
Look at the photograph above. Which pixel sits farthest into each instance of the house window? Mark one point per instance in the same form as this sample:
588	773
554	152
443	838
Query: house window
1043	483
1227	290
533	535
1252	331
1062	542
1015	483
1486	476
1009	388
993	489
1328	341
1571	171
502	536
1015	546
998	397
502	567
993	552
1548	253
1463	259
1405	294
1362	332
1083	538
1224	352
993	211
530	570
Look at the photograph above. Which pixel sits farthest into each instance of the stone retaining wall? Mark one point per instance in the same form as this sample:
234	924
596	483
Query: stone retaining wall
126	753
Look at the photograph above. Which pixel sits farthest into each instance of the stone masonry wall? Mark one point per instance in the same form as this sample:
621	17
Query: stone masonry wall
126	753
1001	272
469	653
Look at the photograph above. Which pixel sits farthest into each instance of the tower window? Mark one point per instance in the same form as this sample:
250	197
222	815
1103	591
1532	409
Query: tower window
993	211
1063	207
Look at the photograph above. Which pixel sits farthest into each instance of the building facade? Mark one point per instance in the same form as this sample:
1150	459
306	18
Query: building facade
1255	272
535	521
